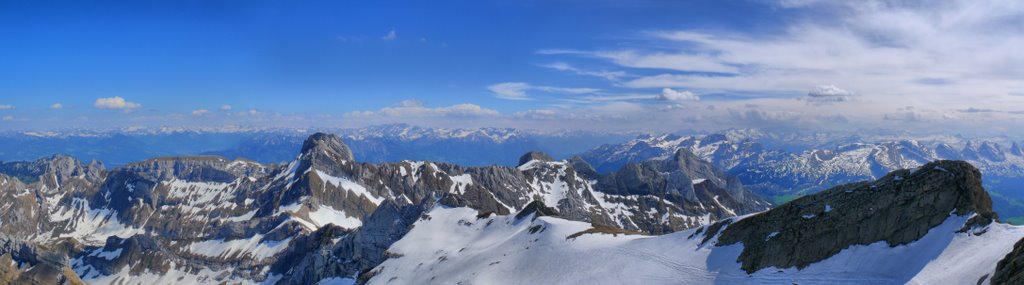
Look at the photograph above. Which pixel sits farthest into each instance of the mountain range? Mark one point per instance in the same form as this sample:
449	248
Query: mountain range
208	219
655	210
784	174
383	143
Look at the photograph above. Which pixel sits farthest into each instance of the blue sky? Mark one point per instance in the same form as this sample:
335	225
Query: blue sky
616	65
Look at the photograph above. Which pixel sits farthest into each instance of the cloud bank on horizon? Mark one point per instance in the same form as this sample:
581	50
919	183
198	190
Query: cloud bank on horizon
917	66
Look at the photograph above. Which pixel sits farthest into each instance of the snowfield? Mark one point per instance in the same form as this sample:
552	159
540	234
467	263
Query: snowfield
452	246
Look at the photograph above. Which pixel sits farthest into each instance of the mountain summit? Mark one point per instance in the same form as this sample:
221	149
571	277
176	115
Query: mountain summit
329	144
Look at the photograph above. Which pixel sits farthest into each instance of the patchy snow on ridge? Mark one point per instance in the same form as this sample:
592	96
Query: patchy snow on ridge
351	186
328	215
254	245
460	182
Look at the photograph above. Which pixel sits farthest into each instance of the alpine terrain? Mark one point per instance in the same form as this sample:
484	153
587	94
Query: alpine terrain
324	215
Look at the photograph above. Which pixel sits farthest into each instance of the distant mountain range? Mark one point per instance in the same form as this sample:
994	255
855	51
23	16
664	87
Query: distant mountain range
785	174
327	218
780	166
385	143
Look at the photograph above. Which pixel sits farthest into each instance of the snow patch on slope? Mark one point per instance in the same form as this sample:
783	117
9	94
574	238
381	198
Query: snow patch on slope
351	186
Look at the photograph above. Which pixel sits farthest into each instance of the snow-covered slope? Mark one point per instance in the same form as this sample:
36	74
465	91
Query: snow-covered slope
454	246
932	225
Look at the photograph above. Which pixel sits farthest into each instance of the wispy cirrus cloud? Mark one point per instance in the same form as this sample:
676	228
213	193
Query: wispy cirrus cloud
390	36
940	57
609	75
654	60
414	109
883	47
518	90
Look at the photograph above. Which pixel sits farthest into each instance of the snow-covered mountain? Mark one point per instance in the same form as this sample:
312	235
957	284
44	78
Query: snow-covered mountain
207	219
932	225
384	143
776	172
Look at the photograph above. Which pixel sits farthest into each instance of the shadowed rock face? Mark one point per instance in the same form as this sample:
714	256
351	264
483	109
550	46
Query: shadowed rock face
898	209
1010	270
534	155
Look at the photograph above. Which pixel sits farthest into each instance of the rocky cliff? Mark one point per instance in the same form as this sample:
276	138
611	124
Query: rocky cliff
899	208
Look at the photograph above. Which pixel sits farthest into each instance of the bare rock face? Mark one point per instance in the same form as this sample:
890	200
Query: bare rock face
538	209
692	187
1010	270
534	155
898	209
328	143
24	262
583	168
53	170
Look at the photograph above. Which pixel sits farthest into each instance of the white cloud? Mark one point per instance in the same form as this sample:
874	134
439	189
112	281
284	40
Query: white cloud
517	90
536	114
57	106
250	113
882	48
510	90
828	94
668	94
940	57
200	112
225	108
115	102
8	118
609	75
6	107
390	36
416	109
680	61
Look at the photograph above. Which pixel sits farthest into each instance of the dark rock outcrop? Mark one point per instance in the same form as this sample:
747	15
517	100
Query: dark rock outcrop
538	209
1010	270
534	155
898	209
583	168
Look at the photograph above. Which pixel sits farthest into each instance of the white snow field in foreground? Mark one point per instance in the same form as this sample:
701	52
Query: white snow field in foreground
453	246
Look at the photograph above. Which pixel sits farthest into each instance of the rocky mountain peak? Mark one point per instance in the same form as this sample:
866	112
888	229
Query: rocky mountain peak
195	168
898	208
329	143
1016	149
583	168
55	169
534	155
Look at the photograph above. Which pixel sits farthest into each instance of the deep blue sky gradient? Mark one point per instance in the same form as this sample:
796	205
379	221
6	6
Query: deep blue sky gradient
319	56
